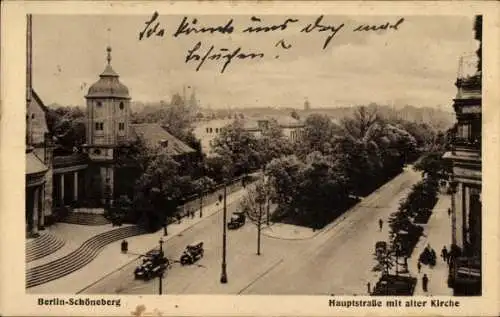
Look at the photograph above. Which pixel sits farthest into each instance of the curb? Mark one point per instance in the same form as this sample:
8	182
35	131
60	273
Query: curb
137	257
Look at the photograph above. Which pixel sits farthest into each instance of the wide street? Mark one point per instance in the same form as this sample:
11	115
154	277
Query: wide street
336	261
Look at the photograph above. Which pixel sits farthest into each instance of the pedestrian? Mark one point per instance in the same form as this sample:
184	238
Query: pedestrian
449	212
419	266
444	254
368	286
425	281
380	224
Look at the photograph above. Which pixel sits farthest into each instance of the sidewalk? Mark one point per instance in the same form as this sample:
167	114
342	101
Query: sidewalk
110	258
288	232
438	234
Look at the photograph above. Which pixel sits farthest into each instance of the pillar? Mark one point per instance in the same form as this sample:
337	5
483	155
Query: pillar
466	215
62	189
453	186
75	187
41	201
36	205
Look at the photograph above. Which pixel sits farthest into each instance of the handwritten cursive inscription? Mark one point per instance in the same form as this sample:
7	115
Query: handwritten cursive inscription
199	54
317	26
152	29
277	27
381	27
186	28
223	55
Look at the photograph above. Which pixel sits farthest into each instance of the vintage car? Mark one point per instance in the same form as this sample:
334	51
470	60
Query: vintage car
153	264
237	220
192	253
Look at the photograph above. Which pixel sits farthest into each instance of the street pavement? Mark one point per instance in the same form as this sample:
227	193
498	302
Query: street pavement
337	260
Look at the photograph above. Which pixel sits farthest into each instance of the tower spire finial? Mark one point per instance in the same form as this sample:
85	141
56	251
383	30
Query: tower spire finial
108	49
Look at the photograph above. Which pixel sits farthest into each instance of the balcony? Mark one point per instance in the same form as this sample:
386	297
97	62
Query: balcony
467	270
70	160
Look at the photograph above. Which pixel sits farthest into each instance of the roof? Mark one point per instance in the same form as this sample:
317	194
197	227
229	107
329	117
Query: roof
108	85
34	165
154	135
39	101
252	123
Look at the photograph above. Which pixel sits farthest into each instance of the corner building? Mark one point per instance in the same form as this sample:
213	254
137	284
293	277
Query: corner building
465	158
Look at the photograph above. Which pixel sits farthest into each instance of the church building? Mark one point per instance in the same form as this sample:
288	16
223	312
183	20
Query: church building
57	183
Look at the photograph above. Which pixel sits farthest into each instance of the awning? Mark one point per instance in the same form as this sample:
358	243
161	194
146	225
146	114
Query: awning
34	165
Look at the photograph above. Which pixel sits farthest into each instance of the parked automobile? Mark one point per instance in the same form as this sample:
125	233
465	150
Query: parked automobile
192	253
237	220
153	264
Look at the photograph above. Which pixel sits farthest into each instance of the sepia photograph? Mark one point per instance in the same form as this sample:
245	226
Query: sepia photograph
155	166
256	162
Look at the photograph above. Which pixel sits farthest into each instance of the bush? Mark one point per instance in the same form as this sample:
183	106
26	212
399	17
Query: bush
395	285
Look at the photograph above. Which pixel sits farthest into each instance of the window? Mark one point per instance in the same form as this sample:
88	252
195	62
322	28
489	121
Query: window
121	126
97	152
33	116
99	126
208	130
121	106
99	104
211	130
216	130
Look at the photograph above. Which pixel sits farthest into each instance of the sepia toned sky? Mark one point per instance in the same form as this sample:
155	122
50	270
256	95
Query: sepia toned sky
417	64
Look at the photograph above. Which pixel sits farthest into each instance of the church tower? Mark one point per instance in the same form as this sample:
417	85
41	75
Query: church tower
108	126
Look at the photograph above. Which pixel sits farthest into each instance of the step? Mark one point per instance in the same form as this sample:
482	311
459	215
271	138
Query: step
42	246
77	259
87	219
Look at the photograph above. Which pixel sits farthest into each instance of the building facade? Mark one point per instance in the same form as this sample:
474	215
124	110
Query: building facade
86	176
465	157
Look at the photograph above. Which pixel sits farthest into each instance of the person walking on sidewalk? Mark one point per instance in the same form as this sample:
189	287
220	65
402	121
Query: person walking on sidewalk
444	254
449	212
380	224
425	281
419	266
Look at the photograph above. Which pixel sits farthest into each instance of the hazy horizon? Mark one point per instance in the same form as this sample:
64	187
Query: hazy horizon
417	65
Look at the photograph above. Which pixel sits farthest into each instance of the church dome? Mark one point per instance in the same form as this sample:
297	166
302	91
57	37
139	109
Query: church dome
108	85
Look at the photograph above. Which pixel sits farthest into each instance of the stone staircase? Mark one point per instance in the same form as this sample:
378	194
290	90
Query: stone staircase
77	259
87	219
43	245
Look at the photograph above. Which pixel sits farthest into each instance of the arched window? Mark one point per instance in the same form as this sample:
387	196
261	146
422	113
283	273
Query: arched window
121	105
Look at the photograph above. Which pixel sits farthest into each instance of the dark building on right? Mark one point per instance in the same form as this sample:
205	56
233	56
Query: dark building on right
465	272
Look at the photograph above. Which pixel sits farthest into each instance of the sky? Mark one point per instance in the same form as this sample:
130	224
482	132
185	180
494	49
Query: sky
416	64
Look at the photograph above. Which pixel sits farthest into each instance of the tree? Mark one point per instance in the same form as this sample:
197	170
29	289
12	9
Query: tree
160	188
363	118
295	115
252	205
318	134
284	175
239	146
433	165
202	185
273	143
215	167
321	192
68	125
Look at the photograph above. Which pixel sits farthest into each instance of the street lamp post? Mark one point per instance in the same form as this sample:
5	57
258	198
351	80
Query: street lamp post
161	273
223	277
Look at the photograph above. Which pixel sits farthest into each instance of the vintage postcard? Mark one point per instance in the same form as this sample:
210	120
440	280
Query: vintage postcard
250	158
